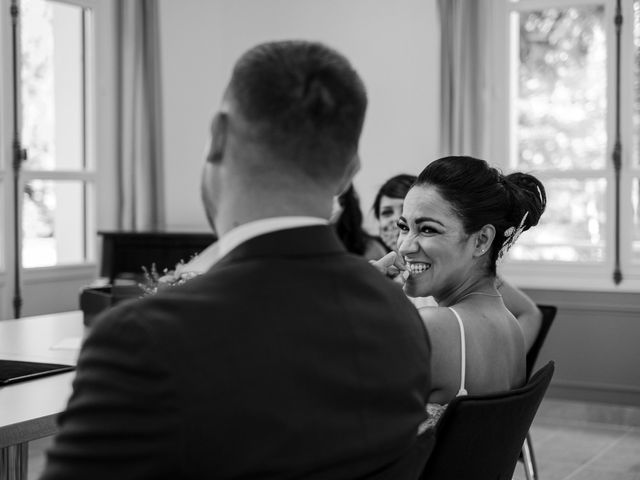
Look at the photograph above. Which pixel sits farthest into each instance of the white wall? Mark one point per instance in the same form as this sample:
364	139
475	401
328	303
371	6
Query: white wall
393	45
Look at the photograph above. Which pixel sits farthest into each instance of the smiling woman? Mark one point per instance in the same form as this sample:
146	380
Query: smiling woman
470	214
457	221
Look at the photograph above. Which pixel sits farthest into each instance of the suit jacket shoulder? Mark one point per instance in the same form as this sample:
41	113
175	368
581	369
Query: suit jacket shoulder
290	358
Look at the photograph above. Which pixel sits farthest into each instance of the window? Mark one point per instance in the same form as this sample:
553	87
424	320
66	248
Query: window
635	127
558	71
56	132
65	113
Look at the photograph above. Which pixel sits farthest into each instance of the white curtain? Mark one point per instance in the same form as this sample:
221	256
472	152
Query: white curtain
140	163
465	118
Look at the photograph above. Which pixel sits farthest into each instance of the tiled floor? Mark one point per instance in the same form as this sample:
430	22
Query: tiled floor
585	441
572	441
584	452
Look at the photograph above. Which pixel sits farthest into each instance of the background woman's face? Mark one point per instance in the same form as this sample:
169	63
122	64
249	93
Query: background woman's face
390	211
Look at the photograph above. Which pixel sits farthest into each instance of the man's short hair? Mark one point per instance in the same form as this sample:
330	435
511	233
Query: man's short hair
304	103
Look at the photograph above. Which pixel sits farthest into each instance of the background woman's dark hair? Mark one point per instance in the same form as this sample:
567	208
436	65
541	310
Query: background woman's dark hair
482	195
349	223
395	187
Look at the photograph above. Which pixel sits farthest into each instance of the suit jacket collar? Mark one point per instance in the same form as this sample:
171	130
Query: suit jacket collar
291	242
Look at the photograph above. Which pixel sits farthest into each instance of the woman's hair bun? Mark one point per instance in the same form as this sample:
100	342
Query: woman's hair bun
528	195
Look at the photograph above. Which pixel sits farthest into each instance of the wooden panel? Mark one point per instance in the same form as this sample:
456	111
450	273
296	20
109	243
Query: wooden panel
595	342
28	431
52	296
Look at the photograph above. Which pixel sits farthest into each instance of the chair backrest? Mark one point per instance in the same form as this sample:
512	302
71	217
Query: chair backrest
480	436
548	314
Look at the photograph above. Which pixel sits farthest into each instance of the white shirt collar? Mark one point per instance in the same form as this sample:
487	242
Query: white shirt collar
210	255
242	233
203	261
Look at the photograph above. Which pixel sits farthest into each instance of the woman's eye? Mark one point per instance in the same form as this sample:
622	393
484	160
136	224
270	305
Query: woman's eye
386	213
426	229
402	227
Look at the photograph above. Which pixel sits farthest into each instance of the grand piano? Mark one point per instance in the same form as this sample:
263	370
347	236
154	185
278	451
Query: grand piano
125	253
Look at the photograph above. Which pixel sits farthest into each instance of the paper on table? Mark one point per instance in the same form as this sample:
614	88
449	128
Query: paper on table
69	343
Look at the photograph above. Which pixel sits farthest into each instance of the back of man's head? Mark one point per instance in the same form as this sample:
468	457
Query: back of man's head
304	106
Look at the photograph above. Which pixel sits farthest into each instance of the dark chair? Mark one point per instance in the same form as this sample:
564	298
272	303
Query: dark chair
548	315
527	456
479	437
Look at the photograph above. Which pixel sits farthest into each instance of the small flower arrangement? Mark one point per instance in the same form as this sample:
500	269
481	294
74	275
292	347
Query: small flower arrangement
154	281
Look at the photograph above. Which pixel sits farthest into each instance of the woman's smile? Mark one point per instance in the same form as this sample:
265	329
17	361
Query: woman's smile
416	268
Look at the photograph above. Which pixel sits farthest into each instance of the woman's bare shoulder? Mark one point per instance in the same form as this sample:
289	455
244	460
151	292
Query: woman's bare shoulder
438	320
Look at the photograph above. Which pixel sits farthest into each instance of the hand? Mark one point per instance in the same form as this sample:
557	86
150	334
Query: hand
392	266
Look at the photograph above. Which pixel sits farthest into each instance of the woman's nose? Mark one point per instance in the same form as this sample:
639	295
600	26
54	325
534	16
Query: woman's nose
407	244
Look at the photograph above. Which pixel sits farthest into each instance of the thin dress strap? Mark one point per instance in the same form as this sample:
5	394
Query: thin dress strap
463	355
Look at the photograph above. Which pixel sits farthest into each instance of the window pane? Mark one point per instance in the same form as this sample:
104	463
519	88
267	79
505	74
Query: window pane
635	206
636	83
572	228
53	94
560	105
53	223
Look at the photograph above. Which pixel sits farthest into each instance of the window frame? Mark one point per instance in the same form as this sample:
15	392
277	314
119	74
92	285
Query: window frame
101	176
87	174
569	275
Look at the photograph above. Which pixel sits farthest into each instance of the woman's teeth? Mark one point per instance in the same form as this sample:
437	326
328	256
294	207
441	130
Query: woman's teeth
416	268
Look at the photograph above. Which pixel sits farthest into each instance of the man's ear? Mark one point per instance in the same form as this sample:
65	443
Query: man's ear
219	132
484	239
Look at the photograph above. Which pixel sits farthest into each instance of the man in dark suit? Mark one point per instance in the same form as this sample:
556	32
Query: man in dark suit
289	358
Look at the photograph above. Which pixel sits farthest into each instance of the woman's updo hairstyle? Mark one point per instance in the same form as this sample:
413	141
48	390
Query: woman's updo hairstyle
482	195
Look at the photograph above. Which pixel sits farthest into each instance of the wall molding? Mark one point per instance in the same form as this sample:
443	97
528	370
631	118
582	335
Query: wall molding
594	392
570	412
597	301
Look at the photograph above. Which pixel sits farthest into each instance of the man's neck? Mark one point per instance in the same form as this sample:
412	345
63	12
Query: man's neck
240	210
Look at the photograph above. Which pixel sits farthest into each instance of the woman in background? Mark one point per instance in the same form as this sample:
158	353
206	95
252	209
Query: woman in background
387	207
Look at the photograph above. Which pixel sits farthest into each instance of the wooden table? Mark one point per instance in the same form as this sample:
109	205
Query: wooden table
28	409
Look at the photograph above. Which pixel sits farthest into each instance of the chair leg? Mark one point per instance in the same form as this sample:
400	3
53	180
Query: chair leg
529	460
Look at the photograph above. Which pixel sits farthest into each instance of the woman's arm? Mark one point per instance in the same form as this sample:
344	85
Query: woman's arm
523	308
